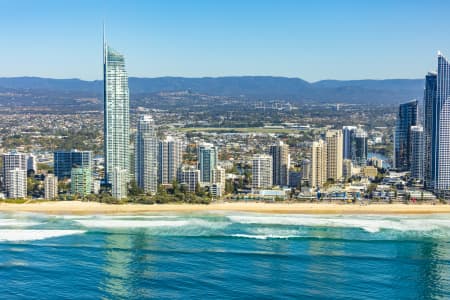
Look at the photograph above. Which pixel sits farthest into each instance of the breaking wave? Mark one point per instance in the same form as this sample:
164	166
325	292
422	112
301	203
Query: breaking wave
370	224
18	235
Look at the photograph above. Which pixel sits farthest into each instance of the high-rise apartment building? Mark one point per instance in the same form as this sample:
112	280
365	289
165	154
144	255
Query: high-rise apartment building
429	100
80	181
16	180
262	171
348	133
119	185
189	176
407	117
50	187
15	174
334	154
170	158
146	158
359	147
280	163
64	161
417	152
116	117
207	161
440	140
318	173
31	163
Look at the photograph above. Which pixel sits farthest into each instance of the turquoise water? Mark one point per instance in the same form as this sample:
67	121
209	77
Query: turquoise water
224	255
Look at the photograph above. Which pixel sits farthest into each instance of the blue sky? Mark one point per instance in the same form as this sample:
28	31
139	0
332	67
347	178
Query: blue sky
312	40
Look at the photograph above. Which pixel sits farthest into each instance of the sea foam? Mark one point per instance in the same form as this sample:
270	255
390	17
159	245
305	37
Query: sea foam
370	224
117	224
16	235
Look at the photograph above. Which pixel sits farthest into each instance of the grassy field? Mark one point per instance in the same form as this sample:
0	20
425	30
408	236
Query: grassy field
241	129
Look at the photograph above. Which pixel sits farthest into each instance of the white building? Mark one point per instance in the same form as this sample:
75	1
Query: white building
170	158
50	187
318	174
262	171
15	174
146	158
334	154
16	183
119	184
189	177
116	117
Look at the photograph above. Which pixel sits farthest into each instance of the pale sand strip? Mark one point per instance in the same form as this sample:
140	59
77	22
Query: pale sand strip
84	208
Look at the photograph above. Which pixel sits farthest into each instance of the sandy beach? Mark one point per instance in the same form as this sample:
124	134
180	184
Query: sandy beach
86	208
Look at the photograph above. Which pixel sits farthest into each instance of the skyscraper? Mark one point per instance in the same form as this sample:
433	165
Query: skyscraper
146	148
64	161
359	147
334	154
440	140
281	163
407	117
348	132
15	174
417	152
318	173
262	171
170	158
119	183
116	115
429	99
207	161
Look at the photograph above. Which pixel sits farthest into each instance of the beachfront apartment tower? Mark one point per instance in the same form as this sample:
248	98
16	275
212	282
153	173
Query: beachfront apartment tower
318	169
334	154
80	181
429	100
417	152
359	147
146	158
207	161
280	163
64	161
170	158
50	187
116	116
15	174
407	117
262	171
440	139
348	133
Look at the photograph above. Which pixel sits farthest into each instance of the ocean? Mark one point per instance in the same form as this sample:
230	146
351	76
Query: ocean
223	255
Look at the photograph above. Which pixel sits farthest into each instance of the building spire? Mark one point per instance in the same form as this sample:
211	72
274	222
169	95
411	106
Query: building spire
104	43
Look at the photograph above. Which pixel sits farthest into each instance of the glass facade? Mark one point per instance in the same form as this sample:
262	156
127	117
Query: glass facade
207	161
429	100
441	129
64	161
116	115
407	117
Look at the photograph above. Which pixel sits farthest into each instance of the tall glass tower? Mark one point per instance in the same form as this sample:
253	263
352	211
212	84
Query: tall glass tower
407	117
429	99
116	114
441	130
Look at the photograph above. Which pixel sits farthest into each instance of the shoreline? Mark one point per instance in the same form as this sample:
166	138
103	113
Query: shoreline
92	208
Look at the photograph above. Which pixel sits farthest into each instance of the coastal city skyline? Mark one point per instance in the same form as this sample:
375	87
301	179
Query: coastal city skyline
226	187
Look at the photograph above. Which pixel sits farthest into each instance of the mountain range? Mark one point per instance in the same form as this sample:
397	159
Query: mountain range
387	91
